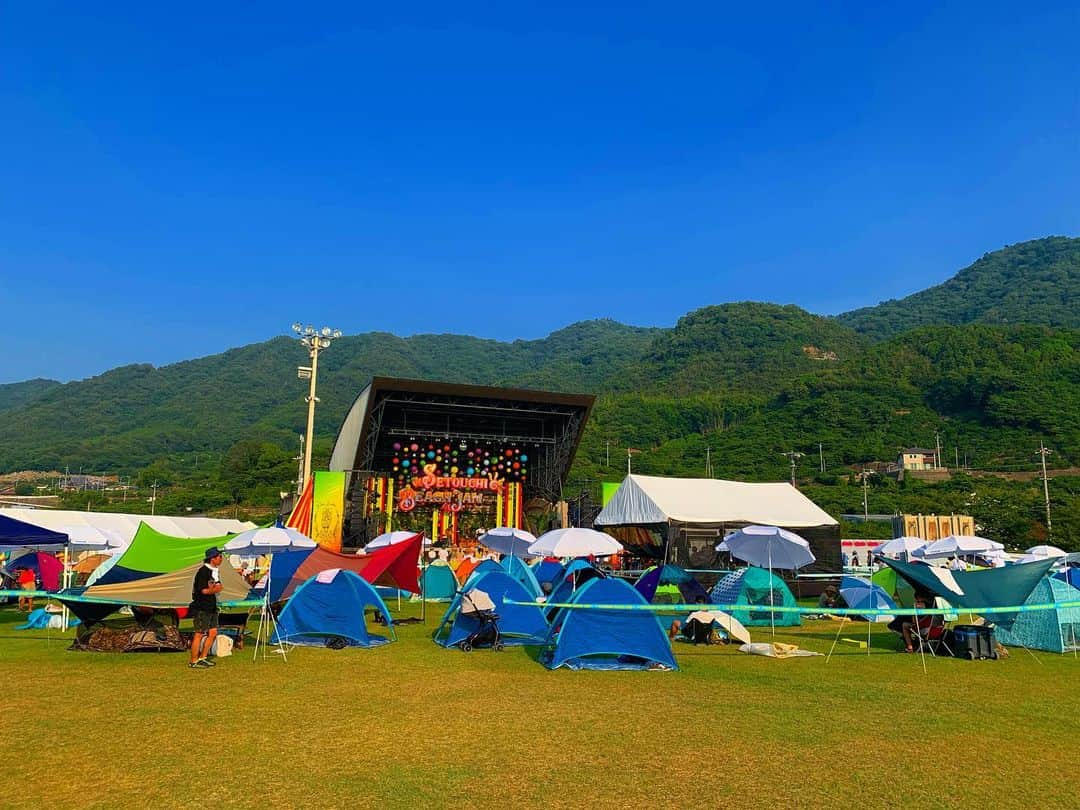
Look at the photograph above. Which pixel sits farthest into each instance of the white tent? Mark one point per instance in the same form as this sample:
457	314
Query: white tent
124	526
648	499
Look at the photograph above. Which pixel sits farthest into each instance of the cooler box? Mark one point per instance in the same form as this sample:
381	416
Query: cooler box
973	641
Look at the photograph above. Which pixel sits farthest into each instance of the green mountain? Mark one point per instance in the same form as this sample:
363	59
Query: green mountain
1032	282
738	384
15	395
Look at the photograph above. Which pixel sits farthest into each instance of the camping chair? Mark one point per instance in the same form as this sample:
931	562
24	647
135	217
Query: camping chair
934	636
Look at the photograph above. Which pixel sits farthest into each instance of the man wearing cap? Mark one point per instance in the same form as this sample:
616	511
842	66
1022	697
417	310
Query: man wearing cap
204	608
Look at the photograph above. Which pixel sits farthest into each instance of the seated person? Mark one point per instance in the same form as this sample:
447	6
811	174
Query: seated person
830	597
908	624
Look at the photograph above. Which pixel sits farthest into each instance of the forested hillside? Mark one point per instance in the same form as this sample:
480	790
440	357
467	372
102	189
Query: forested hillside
1032	282
743	382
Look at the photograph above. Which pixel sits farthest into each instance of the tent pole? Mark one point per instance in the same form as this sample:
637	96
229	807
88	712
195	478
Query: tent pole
839	629
772	597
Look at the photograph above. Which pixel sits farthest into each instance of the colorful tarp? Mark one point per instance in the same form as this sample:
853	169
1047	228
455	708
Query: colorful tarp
152	552
393	566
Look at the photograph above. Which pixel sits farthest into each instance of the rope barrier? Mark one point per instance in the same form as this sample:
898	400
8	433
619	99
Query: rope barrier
816	611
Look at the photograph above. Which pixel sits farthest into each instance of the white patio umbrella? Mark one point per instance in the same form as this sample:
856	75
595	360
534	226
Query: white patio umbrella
957	545
575	542
254	542
899	546
507	540
267	541
388	539
770	547
1045	551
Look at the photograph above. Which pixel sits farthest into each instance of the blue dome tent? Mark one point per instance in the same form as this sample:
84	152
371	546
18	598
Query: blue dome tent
595	638
331	606
523	574
547	571
485	567
519	624
570	579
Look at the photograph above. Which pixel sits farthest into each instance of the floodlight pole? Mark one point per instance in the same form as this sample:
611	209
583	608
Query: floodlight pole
314	340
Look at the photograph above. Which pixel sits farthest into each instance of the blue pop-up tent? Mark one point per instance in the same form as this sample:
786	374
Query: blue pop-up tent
438	583
591	636
516	568
547	571
518	624
331	607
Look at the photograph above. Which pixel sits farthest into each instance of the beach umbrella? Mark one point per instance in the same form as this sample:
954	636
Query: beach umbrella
729	624
507	540
1045	551
388	539
861	594
575	542
899	546
956	545
770	547
268	540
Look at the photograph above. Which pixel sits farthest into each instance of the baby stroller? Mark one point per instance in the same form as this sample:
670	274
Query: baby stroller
478	606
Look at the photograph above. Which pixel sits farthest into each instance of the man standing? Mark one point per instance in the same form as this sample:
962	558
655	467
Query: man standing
204	609
27	582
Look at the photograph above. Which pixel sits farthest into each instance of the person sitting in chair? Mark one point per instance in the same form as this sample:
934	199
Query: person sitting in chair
911	623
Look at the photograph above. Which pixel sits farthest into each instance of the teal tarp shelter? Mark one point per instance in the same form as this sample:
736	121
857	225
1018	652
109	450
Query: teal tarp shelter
1055	630
757	590
989	587
438	583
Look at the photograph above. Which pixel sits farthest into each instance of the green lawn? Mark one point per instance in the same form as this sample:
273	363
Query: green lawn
413	725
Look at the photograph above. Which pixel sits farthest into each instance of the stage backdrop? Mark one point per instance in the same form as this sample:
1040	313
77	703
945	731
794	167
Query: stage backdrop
327	509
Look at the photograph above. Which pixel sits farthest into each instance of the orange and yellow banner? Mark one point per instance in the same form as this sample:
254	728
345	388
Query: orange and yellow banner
328	510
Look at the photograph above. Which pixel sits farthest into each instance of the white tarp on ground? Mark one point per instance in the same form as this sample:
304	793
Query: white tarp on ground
645	499
125	526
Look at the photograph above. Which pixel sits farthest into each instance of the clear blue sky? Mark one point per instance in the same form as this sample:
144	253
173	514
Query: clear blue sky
181	179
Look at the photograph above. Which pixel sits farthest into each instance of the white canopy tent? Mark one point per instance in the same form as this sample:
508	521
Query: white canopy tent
124	526
696	504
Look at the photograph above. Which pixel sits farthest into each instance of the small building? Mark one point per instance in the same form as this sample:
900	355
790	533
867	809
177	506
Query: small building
917	458
933	527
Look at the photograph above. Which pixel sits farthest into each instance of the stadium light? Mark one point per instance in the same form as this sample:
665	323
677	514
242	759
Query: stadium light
315	341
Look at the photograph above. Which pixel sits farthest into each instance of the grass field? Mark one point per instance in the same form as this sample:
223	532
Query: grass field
413	725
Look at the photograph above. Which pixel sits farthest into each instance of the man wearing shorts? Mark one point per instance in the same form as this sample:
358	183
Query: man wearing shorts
204	609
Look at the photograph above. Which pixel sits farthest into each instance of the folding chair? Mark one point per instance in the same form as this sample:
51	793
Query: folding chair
933	636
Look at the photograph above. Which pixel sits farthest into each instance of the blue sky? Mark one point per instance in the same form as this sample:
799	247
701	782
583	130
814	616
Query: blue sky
178	180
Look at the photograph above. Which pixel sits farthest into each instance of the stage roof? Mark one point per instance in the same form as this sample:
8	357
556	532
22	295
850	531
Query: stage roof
648	500
390	410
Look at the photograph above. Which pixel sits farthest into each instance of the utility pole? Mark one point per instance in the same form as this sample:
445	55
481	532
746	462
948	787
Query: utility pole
314	340
153	498
821	456
956	451
793	456
865	476
937	444
1044	452
607	453
708	462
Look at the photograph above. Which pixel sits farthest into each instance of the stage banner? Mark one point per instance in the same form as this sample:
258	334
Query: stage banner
607	490
328	509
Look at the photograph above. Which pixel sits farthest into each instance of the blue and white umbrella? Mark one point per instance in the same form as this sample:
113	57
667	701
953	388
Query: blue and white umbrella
390	538
899	547
861	594
507	540
769	547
